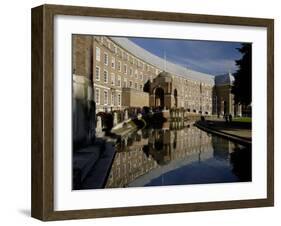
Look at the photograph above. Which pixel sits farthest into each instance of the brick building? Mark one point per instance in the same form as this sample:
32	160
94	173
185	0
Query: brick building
113	72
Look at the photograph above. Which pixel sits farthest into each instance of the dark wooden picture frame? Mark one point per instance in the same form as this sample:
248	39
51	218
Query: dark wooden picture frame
43	120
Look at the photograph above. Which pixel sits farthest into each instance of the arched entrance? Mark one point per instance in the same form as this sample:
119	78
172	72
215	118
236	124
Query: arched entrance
176	97
159	97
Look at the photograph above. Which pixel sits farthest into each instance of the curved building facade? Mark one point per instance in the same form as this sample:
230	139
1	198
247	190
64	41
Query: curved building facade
116	71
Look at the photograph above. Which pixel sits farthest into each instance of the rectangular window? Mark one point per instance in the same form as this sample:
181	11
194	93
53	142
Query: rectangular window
125	68
130	84
119	66
114	48
105	77
119	99
136	85
97	95
119	81
112	99
105	58
140	87
97	74
125	83
105	101
112	79
131	71
113	62
97	53
140	76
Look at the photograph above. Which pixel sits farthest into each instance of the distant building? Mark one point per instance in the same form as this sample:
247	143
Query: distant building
223	98
114	71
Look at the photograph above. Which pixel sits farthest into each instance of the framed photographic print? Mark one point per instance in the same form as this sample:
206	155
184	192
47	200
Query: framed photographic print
141	112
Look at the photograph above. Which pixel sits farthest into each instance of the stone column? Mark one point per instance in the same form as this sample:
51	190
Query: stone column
99	126
115	119
126	117
239	110
222	108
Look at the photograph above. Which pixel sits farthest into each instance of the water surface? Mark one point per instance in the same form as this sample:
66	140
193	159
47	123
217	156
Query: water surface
177	155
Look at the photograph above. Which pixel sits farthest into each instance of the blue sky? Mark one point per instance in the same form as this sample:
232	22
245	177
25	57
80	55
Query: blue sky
205	56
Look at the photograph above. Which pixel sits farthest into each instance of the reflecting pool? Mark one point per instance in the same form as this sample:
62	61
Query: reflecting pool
175	155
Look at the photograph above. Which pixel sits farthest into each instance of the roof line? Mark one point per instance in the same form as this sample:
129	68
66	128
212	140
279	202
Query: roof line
157	61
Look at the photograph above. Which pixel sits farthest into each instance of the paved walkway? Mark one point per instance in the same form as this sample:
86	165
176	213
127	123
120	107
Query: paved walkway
240	129
91	165
239	132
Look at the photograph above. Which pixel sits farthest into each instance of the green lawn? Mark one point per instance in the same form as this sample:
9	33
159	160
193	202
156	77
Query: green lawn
243	119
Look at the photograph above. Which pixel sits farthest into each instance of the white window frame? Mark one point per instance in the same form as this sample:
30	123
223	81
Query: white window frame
141	76
119	99
105	72
125	82
98	54
97	99
105	60
112	99
125	68
112	79
119	65
119	81
105	100
113	62
97	78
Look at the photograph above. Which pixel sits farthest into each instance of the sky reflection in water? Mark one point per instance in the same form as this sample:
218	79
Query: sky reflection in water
177	156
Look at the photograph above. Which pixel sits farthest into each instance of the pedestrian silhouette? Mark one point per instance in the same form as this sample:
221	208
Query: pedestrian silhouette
230	118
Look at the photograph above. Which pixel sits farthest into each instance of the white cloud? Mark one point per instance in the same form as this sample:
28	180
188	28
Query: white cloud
212	66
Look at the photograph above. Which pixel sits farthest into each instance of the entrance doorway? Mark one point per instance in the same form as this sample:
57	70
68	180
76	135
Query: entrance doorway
159	97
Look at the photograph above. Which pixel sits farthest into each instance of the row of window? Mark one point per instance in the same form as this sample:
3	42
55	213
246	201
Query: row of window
131	59
105	80
113	63
140	76
114	101
122	54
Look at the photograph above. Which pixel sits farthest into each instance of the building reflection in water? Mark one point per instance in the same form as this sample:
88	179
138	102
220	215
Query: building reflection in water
148	153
